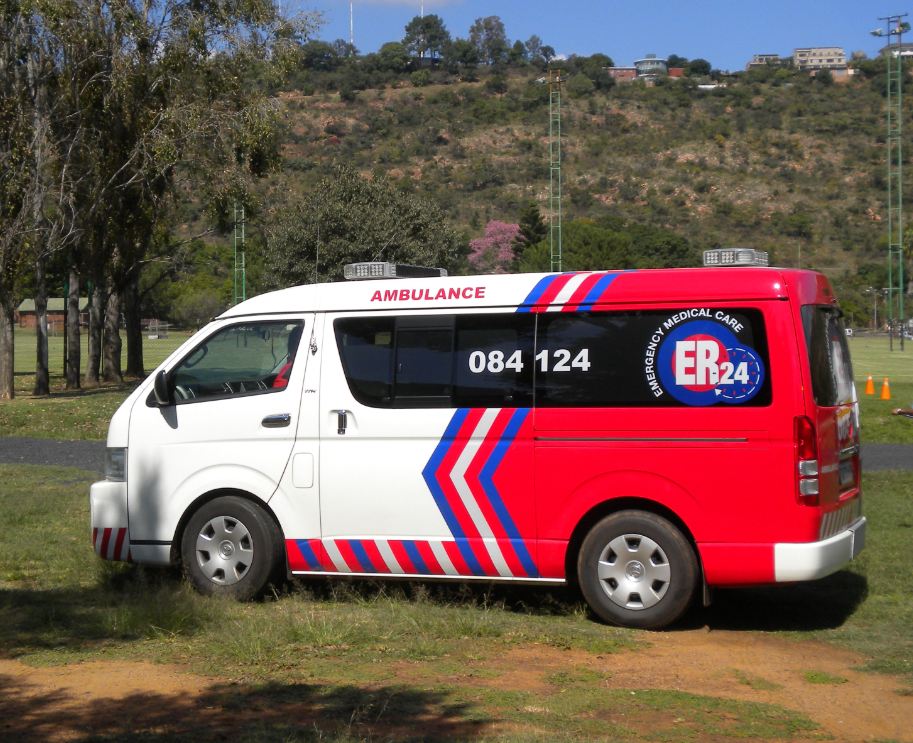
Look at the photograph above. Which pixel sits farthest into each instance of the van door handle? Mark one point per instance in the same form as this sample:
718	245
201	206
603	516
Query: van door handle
342	421
280	420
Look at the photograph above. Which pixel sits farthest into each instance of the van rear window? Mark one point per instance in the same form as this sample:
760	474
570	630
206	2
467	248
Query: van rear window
828	355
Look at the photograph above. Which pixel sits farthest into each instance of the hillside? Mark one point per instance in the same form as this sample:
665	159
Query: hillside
792	165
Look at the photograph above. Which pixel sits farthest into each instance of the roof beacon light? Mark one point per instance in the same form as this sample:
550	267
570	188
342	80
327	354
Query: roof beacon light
735	257
385	270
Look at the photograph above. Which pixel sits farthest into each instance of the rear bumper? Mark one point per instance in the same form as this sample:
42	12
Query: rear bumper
108	514
812	560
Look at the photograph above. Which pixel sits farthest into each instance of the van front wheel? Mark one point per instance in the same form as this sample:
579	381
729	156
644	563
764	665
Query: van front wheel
637	570
230	547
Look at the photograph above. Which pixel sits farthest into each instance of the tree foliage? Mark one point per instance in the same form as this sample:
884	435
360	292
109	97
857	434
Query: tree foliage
490	39
349	218
494	251
426	37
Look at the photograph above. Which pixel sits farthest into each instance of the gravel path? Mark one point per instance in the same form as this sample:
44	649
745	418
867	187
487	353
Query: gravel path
90	455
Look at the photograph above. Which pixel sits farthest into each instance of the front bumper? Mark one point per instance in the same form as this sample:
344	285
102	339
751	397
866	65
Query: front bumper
108	514
812	560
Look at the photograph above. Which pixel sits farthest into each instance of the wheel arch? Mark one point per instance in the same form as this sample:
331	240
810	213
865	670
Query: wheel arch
212	495
614	505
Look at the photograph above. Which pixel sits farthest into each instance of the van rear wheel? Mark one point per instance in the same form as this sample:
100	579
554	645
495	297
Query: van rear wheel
231	547
636	569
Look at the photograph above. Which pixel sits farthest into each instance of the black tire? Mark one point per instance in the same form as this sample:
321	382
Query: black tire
648	574
231	547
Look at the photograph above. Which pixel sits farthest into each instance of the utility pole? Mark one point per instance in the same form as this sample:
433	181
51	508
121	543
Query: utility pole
896	27
554	167
240	270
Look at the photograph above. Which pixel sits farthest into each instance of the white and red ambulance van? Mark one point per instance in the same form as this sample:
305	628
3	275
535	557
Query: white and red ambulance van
646	434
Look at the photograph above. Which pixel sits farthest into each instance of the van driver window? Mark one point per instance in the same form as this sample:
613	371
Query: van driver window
246	359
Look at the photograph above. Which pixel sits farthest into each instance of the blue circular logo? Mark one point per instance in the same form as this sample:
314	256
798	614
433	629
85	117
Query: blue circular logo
703	363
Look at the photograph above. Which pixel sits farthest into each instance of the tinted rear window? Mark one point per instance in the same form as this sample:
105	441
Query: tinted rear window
828	355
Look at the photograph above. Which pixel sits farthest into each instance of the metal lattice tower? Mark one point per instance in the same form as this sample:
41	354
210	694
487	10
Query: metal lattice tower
554	164
240	270
894	62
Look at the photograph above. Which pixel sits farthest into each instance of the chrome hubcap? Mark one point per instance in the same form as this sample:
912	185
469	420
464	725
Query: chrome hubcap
224	550
634	571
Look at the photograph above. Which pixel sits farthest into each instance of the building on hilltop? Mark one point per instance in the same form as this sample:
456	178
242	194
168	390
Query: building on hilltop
648	69
819	58
622	74
765	60
651	65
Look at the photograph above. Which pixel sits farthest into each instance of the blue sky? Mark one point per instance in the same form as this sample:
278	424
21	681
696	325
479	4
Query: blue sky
725	33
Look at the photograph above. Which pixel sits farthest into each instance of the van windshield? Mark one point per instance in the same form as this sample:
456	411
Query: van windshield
828	355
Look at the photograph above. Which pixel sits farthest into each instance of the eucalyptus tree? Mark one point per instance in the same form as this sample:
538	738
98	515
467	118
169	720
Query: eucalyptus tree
17	172
168	100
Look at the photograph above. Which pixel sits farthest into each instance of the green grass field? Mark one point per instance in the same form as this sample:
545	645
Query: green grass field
340	644
85	414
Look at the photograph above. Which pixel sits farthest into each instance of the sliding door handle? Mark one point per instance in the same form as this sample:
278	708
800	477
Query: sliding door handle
280	420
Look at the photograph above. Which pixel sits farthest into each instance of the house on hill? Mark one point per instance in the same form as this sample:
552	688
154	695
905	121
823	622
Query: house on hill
25	315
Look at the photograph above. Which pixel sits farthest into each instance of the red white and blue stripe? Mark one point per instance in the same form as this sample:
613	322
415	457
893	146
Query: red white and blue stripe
463	477
568	292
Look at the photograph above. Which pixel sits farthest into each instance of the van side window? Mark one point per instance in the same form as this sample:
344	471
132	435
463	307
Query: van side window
687	357
245	359
438	361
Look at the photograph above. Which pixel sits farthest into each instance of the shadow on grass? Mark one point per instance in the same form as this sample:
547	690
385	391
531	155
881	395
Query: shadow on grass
816	605
125	606
274	711
126	387
134	603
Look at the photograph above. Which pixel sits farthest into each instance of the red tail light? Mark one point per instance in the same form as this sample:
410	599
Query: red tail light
806	461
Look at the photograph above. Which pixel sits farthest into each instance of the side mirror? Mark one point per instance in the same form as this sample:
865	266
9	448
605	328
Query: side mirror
163	394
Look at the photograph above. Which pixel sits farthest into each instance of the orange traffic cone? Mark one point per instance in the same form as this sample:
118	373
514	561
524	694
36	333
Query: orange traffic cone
885	390
869	386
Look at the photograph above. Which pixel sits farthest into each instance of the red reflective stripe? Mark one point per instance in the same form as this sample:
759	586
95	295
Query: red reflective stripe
325	562
459	564
118	545
402	557
345	549
434	567
106	537
377	559
296	560
580	293
548	296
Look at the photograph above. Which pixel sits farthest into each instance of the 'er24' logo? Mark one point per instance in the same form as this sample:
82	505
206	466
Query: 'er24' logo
702	363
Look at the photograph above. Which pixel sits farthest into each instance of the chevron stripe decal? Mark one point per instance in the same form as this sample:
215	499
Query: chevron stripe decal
568	292
461	475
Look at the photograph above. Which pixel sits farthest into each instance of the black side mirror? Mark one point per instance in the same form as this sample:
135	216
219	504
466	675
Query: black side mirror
163	394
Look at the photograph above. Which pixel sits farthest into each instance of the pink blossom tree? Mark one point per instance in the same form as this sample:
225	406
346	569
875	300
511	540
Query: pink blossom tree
494	253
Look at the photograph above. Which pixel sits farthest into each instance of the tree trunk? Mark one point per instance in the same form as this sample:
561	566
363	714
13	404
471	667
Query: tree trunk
42	373
134	329
7	390
93	362
73	350
112	343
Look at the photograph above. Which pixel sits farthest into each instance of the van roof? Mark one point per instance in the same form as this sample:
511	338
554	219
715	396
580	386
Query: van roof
540	292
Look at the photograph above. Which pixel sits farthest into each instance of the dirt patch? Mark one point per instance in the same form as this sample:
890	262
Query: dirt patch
820	681
119	698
